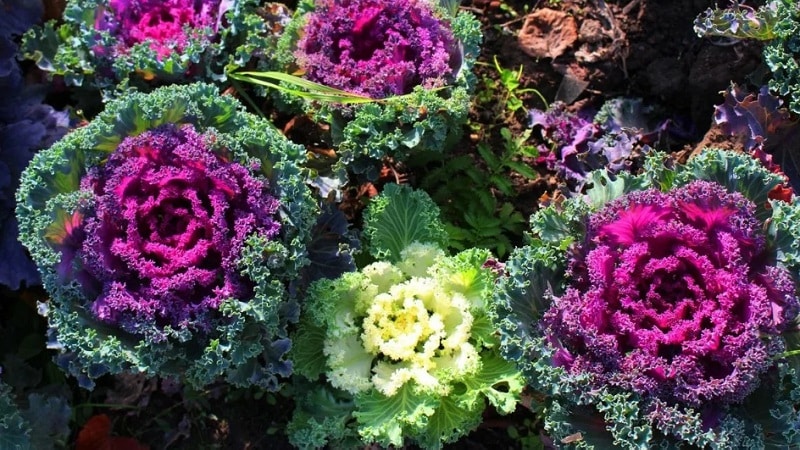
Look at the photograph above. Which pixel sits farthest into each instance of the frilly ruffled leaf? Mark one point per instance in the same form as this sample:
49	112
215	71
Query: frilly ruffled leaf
522	297
429	121
780	53
739	21
49	418
737	172
14	429
785	233
322	418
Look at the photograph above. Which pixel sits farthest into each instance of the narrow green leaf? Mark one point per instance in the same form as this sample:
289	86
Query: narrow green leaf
313	91
491	159
522	169
503	184
317	92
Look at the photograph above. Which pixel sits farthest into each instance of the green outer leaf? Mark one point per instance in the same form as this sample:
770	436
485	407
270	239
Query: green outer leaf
785	233
307	341
321	417
385	420
450	420
738	172
522	297
49	417
398	217
606	188
498	380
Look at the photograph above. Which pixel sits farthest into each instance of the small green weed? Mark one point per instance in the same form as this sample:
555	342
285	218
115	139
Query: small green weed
508	81
468	194
500	165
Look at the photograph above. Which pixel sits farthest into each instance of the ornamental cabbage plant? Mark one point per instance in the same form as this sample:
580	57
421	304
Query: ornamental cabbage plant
768	129
574	144
168	233
148	42
661	310
378	49
777	24
412	57
403	349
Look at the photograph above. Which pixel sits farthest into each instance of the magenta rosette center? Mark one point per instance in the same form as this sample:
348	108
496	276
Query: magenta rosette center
171	218
673	296
166	25
377	48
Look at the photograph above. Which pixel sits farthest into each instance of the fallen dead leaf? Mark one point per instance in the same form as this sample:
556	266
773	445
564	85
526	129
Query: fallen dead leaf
547	33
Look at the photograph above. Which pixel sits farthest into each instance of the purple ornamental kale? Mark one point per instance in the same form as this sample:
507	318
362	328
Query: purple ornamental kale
377	48
163	24
171	219
567	138
576	144
769	130
26	125
674	297
761	119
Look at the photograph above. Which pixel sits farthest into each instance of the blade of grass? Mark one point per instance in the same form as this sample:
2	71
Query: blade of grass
314	91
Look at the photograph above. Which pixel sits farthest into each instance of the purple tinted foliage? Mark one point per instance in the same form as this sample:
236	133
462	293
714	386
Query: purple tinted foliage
615	147
770	132
26	125
18	16
761	119
377	48
170	223
674	297
643	122
567	137
331	245
574	144
161	23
